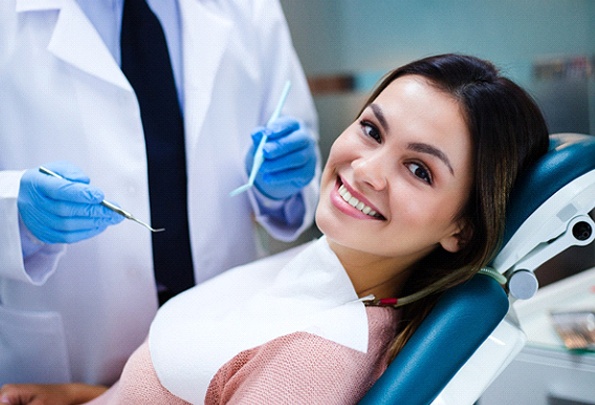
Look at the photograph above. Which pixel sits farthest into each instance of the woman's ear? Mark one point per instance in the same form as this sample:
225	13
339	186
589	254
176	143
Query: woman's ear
458	239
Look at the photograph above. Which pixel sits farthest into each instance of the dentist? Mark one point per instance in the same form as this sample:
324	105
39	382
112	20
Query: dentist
77	295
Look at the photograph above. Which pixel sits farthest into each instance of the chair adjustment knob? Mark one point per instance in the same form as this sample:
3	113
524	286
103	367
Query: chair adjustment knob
522	284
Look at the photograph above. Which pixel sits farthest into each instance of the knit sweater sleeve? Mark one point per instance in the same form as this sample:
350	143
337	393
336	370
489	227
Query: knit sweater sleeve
305	368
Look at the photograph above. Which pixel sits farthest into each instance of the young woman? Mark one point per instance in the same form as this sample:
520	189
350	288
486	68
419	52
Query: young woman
413	200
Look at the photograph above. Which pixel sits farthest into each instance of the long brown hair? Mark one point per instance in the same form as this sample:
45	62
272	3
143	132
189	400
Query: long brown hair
508	134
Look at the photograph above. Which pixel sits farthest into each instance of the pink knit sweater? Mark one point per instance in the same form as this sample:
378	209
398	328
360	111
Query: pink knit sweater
299	368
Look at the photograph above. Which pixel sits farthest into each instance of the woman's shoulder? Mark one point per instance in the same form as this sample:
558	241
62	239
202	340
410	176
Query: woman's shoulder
382	321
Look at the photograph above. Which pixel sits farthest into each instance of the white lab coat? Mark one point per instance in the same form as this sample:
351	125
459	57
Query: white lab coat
75	313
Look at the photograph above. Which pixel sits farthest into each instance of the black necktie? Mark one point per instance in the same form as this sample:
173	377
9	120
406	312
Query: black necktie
146	64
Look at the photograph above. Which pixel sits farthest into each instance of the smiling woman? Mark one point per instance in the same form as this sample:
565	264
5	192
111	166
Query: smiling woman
412	165
412	202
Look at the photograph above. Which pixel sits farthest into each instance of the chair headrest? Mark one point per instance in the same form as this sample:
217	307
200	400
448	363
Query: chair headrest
570	156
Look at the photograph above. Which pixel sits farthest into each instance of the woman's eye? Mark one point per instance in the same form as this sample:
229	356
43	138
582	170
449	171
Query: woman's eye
370	130
420	171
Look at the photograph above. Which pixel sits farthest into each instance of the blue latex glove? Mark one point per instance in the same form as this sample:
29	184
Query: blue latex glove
289	159
62	211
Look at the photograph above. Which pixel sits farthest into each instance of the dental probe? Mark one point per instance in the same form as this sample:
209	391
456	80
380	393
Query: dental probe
259	154
107	204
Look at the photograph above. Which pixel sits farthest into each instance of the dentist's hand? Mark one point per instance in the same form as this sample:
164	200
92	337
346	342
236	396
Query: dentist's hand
289	159
62	211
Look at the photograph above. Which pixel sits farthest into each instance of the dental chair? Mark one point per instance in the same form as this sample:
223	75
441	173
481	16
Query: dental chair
472	333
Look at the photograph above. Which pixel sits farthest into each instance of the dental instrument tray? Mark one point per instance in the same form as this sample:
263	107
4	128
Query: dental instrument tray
576	328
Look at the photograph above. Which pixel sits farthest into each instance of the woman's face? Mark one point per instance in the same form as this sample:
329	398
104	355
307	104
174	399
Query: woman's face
398	176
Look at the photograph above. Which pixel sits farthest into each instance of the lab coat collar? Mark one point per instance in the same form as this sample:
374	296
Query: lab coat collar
205	35
75	41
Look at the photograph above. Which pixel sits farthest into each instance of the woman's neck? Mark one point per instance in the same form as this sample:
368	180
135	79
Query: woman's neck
372	274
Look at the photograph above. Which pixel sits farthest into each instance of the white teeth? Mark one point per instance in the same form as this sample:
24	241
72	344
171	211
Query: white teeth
357	204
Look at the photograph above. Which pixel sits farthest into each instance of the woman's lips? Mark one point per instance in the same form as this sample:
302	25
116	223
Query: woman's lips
352	203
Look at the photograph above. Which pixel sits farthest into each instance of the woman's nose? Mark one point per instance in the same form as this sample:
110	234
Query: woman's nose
370	170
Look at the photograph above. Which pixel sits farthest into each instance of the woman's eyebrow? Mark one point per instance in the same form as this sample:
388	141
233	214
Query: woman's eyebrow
415	146
431	150
379	116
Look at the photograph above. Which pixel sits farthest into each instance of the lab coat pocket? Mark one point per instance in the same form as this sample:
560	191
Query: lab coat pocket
32	347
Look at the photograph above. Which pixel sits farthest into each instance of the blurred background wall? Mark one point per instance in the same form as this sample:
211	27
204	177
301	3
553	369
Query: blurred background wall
547	46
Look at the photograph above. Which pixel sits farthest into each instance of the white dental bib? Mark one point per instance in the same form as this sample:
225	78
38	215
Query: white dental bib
303	289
